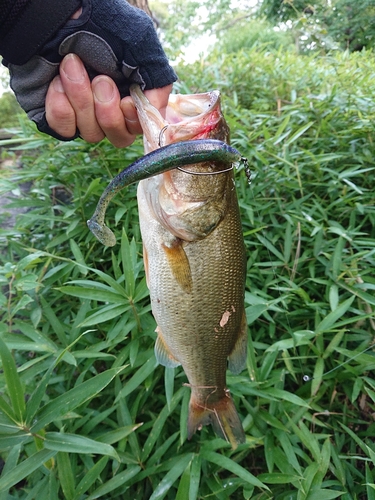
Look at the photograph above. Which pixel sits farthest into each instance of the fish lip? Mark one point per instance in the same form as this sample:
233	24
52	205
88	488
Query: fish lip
209	100
184	125
188	117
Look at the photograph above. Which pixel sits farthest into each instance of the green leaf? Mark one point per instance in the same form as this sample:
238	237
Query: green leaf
90	477
318	376
169	384
66	475
184	414
78	256
10	463
105	314
270	247
172	475
298	133
72	443
73	398
309	475
324	494
228	464
118	434
159	424
371	454
278	478
369	484
337	466
55	323
25	468
13	383
271	420
253	312
358	440
24	301
127	265
287	396
42	341
11	441
195	475
332	346
93	294
184	485
118	480
37	396
7	409
141	374
307	438
162	449
329	321
290	451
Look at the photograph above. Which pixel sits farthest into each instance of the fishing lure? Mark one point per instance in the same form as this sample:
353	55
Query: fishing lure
161	160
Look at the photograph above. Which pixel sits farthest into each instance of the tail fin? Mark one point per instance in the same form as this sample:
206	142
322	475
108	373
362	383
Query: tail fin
222	415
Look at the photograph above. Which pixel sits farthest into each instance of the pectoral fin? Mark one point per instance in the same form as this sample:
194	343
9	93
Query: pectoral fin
179	265
162	353
237	358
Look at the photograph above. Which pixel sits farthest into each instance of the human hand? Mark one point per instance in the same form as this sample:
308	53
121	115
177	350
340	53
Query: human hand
113	39
94	108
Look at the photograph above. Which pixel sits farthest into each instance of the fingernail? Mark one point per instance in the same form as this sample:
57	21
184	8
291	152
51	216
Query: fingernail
103	90
73	68
57	85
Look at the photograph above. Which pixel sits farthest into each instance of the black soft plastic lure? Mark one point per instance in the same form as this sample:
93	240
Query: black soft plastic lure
161	160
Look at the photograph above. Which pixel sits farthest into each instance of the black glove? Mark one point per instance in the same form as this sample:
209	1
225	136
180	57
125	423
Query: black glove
111	38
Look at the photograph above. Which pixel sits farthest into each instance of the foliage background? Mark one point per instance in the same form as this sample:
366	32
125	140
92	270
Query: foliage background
86	412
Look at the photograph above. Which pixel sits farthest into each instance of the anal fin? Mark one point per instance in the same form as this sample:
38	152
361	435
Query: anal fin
162	353
237	358
179	265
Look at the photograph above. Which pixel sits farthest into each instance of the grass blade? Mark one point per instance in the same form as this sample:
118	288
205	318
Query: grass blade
167	482
90	477
235	468
61	405
25	468
117	481
13	383
329	321
72	443
66	475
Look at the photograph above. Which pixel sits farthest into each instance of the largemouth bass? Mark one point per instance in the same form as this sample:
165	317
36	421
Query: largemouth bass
193	252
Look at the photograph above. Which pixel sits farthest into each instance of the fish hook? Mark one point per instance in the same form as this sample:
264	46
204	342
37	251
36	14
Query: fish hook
205	173
243	161
161	135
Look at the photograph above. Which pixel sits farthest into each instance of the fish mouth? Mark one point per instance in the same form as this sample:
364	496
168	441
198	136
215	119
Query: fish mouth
188	117
191	122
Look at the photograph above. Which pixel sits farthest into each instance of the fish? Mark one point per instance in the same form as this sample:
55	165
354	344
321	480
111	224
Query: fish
158	161
193	249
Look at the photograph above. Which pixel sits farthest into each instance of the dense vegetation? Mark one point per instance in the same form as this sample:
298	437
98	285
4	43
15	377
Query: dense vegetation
86	412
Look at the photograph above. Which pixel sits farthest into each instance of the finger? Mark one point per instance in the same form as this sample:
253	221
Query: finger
159	98
77	86
60	115
130	115
108	112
